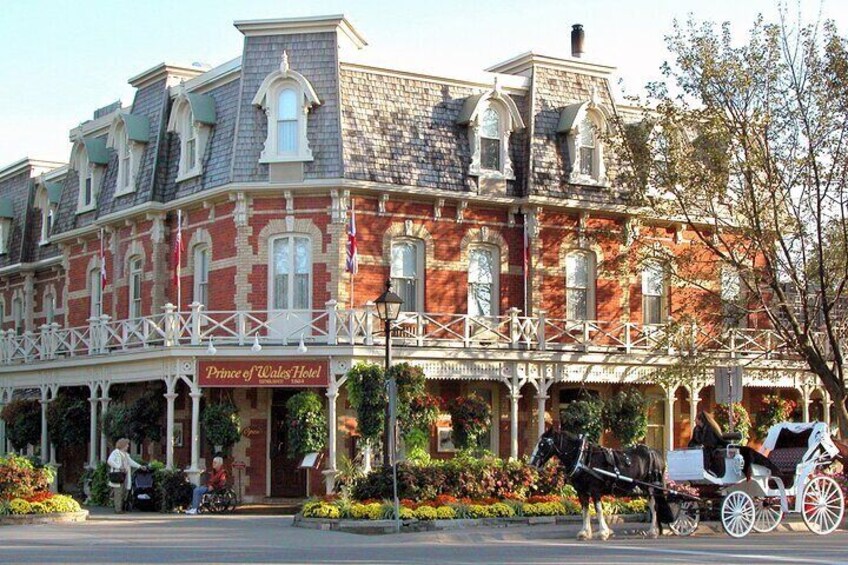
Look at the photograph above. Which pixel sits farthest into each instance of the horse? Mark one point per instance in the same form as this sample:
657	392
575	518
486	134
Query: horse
580	459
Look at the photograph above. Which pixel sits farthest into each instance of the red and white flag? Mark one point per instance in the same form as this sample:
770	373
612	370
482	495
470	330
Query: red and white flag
102	264
352	265
178	257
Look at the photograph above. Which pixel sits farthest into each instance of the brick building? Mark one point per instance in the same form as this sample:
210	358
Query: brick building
263	158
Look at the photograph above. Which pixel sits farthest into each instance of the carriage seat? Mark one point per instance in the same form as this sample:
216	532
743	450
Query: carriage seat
732	436
787	458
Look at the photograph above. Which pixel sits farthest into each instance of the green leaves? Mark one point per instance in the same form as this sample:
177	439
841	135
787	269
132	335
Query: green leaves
221	424
625	414
307	425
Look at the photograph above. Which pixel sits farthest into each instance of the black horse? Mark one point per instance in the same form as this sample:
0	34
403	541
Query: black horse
581	461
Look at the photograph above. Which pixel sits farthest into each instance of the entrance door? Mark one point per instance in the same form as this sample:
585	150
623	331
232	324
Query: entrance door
287	480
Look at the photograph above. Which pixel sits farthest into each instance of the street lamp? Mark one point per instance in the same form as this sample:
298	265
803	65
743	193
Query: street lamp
388	310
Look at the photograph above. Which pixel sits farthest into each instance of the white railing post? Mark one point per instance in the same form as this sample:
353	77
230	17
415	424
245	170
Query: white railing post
5	348
46	341
332	322
195	322
170	325
54	339
466	331
93	335
540	331
241	328
104	333
733	343
419	330
369	322
628	342
586	337
514	330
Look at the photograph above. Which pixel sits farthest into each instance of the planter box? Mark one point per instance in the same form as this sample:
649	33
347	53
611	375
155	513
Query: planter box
55	518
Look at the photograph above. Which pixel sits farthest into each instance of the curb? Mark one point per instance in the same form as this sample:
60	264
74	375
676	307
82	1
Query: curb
55	518
377	527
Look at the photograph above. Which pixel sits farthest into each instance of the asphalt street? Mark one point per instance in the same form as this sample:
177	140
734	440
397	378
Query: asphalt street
156	538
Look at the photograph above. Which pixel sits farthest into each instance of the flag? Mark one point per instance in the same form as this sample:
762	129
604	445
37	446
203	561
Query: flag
178	253
352	265
102	263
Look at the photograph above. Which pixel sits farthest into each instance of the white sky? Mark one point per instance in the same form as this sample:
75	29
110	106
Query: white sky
62	59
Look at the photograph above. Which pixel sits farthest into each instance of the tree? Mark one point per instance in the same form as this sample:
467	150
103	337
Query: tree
746	145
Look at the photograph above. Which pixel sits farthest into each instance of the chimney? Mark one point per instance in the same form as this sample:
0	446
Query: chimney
577	37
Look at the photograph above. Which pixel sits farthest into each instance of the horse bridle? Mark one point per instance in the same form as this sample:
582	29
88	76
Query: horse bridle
579	463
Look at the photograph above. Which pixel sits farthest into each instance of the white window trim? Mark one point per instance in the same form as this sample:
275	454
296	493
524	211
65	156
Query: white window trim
182	123
664	297
496	275
419	269
599	175
18	315
118	139
267	98
95	292
510	121
5	235
196	291
135	276
591	282
48	214
85	168
272	271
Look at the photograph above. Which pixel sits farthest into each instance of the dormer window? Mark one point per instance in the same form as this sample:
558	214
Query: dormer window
192	119
286	97
491	118
128	135
583	125
89	158
47	199
7	215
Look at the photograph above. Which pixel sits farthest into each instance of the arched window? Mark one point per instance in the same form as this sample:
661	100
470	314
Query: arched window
483	281
407	274
95	292
124	162
192	119
584	124
128	136
18	315
292	273
654	294
134	290
490	140
286	96
580	285
287	122
201	274
589	159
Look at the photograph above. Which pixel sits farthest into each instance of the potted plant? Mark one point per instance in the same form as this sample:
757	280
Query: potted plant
23	422
625	414
470	419
584	416
307	424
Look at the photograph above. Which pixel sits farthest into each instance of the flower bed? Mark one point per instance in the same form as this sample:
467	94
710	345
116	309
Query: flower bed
450	508
39	503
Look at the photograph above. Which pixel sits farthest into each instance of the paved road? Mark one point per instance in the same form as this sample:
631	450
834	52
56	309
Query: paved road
271	539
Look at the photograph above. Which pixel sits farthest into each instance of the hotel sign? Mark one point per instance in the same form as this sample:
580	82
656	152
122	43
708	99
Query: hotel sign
272	373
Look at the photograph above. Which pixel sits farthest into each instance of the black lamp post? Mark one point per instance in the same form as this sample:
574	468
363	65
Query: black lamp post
388	309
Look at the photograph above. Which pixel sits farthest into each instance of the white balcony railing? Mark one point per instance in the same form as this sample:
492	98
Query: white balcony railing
334	326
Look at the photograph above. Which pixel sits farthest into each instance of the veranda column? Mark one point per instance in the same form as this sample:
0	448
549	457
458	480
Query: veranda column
45	442
514	397
330	471
104	445
805	404
169	429
92	430
669	418
194	471
540	413
826	405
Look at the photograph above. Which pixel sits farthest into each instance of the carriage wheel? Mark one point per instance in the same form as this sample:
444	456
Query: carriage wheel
737	514
688	518
769	514
824	505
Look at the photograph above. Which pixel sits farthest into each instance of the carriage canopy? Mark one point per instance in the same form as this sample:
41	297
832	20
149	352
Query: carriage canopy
791	434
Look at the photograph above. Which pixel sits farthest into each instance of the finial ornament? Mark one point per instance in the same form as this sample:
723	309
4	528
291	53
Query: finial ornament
284	64
594	95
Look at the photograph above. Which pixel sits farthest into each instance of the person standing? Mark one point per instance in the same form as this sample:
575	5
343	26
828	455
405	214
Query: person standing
120	462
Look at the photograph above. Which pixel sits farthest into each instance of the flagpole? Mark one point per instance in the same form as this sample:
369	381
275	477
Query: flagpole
179	258
352	274
102	272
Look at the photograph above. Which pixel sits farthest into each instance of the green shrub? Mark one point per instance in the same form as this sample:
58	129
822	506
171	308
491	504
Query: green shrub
61	503
19	506
366	386
445	513
221	424
172	488
741	420
775	409
23	422
307	425
68	419
99	492
426	513
625	414
584	416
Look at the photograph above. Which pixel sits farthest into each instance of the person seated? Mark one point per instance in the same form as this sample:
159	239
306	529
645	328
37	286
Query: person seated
217	480
707	434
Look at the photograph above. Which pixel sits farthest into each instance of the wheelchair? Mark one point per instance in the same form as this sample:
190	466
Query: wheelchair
218	501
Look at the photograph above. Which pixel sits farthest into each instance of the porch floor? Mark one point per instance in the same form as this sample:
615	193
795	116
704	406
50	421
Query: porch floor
271	506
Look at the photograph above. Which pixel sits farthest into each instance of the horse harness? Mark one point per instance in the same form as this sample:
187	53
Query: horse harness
585	449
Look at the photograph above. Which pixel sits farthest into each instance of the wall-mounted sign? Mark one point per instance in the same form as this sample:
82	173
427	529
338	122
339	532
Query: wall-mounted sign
272	373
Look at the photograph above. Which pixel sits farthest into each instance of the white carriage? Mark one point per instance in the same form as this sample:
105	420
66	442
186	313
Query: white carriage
786	477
